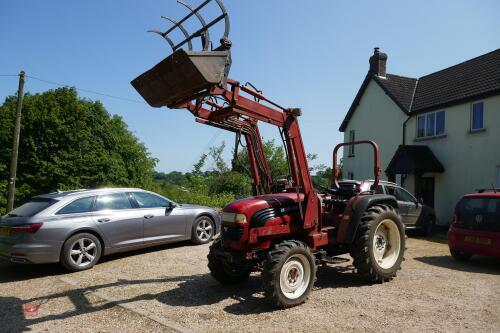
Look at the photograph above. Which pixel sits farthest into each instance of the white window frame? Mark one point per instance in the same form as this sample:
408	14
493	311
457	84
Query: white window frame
472	116
425	115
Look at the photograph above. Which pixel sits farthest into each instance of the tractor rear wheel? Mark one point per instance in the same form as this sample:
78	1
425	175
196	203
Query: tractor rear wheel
289	274
223	271
378	249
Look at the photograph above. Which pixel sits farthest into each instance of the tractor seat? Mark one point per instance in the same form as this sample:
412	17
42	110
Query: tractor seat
345	192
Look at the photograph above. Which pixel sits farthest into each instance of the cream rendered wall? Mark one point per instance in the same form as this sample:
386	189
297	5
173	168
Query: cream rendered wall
470	160
376	118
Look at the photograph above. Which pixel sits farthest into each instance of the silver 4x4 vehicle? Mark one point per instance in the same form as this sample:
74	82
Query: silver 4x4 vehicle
415	214
76	228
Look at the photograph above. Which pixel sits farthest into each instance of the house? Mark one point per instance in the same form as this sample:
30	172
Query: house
439	135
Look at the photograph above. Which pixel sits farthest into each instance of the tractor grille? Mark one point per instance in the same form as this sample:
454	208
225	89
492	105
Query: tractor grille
232	233
264	215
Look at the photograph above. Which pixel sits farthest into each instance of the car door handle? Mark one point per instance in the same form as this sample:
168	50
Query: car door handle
149	216
103	220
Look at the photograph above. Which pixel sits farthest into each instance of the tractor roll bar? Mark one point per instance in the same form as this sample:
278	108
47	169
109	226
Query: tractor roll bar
376	171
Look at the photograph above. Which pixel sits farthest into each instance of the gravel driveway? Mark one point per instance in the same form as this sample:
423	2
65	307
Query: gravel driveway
169	289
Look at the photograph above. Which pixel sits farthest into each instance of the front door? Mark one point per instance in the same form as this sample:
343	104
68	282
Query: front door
163	221
424	188
408	206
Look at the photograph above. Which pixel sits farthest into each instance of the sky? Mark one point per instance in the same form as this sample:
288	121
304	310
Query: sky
308	54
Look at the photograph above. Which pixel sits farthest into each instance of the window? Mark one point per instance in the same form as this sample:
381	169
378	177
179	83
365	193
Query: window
431	124
352	138
113	201
406	196
32	207
83	205
440	122
148	200
477	115
421	126
400	194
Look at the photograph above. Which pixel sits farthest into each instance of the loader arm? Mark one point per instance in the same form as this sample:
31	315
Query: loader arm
238	113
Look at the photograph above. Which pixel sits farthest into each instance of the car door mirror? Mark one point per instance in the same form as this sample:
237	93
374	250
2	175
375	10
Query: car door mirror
170	206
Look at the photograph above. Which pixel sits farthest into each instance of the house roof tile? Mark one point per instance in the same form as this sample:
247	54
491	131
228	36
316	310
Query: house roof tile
468	80
473	79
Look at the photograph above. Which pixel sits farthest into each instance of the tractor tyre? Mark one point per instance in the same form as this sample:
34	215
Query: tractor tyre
378	249
289	274
223	271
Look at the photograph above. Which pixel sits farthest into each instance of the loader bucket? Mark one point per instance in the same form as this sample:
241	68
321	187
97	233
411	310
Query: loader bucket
181	76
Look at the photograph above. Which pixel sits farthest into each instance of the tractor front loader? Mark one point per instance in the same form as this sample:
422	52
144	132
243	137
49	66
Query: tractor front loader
288	227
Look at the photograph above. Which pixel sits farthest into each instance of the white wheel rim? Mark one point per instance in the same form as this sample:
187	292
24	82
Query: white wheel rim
83	252
386	244
204	230
295	276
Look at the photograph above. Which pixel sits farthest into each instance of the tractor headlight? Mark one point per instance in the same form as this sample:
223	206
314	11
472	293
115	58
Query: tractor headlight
233	218
241	218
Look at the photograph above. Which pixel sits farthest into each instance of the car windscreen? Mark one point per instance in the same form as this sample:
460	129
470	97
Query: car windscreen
32	207
481	213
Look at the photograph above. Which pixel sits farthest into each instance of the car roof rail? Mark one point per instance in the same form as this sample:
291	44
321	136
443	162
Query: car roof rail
382	181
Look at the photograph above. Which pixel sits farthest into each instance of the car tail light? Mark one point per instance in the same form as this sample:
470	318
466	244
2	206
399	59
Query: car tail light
27	229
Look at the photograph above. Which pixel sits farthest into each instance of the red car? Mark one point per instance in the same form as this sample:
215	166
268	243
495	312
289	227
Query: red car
476	226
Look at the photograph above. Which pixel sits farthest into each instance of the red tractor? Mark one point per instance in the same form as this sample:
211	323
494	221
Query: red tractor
288	227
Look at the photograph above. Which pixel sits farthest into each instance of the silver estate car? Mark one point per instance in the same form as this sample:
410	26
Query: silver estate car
76	228
414	213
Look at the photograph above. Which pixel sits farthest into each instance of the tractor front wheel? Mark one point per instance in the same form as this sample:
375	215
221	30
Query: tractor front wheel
225	272
289	274
380	244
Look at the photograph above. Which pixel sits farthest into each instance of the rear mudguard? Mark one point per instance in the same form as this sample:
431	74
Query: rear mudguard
354	211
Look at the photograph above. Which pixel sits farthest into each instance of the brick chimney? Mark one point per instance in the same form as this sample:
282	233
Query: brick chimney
378	62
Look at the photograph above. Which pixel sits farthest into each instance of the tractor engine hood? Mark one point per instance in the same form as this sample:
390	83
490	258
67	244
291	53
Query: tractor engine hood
250	206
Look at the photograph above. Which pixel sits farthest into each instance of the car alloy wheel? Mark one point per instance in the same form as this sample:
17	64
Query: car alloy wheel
83	252
204	229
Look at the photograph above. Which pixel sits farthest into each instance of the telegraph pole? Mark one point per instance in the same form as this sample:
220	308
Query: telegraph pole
15	145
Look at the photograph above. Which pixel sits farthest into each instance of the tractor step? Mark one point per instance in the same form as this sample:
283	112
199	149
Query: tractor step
335	260
324	258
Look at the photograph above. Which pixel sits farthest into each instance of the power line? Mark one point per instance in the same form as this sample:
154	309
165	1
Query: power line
209	143
129	99
86	90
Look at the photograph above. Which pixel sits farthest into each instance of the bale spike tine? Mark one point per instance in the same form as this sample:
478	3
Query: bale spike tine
206	35
189	15
161	33
184	31
226	18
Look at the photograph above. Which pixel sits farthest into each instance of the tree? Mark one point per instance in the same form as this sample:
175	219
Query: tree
67	143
